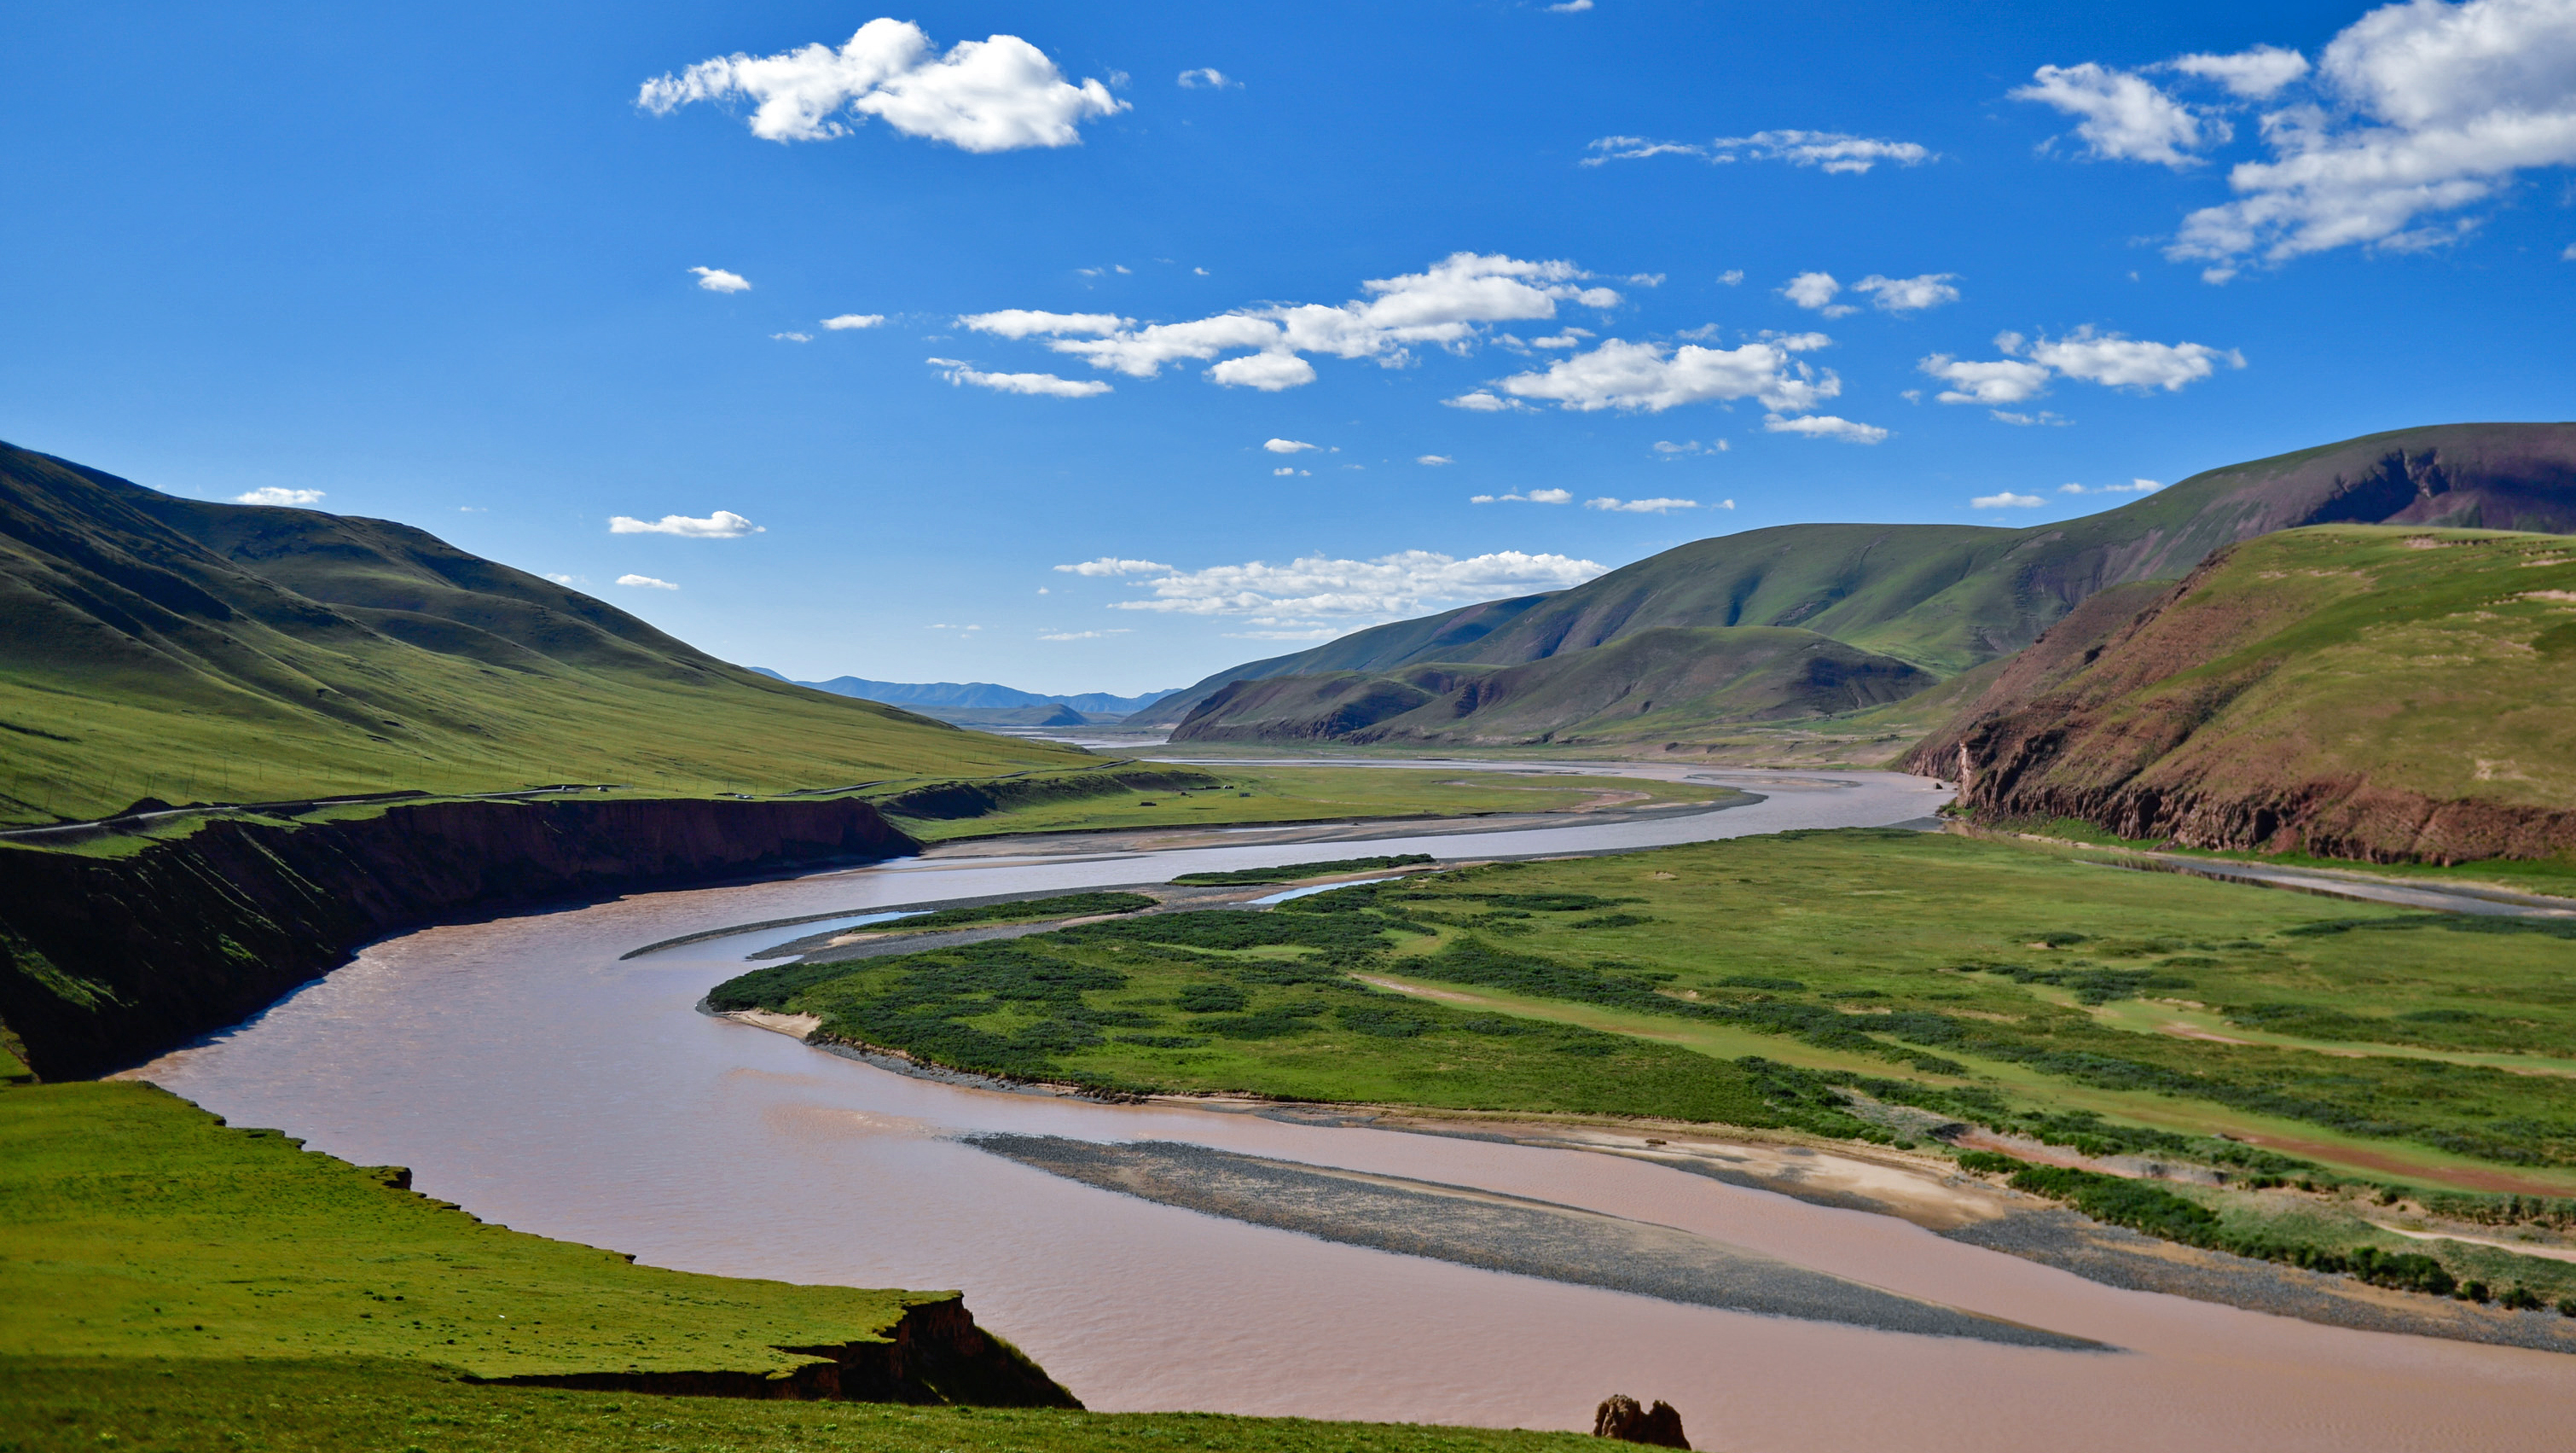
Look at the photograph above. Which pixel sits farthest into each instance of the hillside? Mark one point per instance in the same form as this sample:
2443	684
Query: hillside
1946	598
941	698
2345	691
157	647
1645	686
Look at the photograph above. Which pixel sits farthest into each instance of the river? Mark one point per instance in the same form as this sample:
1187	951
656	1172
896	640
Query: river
525	1070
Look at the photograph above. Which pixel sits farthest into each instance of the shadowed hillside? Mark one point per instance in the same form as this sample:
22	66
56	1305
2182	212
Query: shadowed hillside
2344	691
158	647
1948	597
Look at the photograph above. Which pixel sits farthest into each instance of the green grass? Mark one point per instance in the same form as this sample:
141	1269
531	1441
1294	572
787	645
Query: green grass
56	1405
135	1227
1292	872
1222	796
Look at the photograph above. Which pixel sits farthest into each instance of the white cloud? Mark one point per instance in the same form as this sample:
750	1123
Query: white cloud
1641	506
1021	322
1909	294
1731	276
1824	426
1288	446
722	525
717	280
1434	459
1569	7
793	337
1482	402
944	626
2002	381
998	94
1567	338
2413	111
1046	384
1834	151
1634	376
1447	305
1667	446
1208	78
1533	497
1084	635
1815	291
2124	116
274	495
645	582
1311	633
1112	565
2570	254
2135	486
1388	586
2048	417
854	320
1292	469
2006	501
2253	74
569	579
2109	358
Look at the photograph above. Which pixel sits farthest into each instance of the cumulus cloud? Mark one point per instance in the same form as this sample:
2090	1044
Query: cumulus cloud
848	321
1447	305
276	495
2006	501
1687	447
1112	565
1483	402
1833	151
1534	497
645	582
1292	469
2135	486
997	94
2413	112
1824	426
2253	74
1288	446
1909	294
2123	116
2110	359
1815	291
1208	78
717	280
1434	459
1647	377
1641	506
722	525
1046	384
1317	587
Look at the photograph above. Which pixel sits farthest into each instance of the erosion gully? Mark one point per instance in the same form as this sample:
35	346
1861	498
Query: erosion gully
525	1070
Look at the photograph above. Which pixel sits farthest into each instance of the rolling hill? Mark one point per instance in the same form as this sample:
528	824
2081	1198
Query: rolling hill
939	698
2357	692
1947	598
159	647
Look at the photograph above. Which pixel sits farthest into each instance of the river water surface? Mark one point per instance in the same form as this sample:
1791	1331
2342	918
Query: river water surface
528	1072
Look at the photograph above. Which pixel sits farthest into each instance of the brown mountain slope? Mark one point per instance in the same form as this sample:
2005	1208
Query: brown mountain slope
2363	692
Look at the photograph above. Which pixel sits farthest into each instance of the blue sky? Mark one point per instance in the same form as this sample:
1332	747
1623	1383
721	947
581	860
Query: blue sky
443	266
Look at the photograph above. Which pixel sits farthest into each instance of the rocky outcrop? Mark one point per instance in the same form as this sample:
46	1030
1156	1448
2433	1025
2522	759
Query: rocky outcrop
107	960
934	1354
1619	1417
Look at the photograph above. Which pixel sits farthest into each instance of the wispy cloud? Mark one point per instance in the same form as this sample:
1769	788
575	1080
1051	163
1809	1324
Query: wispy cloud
2135	486
1084	635
1640	506
722	525
999	94
1832	151
1288	446
645	582
1044	384
1434	459
1532	497
1824	426
1321	588
848	321
1208	78
2007	500
1113	565
276	495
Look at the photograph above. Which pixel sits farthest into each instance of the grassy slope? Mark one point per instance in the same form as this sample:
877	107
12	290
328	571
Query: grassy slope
168	1283
2321	668
195	652
1872	929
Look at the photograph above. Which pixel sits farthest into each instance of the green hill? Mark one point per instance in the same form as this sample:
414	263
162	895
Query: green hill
157	647
1641	687
1946	598
2345	691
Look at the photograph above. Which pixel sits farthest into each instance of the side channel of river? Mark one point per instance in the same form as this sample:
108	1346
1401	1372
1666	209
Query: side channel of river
526	1071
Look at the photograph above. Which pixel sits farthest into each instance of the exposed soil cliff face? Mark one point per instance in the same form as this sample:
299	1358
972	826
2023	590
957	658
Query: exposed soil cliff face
2373	694
105	962
935	1354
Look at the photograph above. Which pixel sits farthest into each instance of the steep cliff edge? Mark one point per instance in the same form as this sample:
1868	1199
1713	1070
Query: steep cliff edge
2375	693
108	960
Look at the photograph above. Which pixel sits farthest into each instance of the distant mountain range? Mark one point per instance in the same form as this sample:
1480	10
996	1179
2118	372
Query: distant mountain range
1807	619
939	698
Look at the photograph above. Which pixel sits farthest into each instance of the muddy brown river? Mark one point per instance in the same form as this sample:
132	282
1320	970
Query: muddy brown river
528	1072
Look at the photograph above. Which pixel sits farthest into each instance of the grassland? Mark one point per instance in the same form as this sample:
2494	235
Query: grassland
53	1405
169	1283
1863	984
